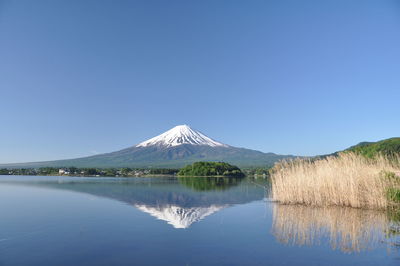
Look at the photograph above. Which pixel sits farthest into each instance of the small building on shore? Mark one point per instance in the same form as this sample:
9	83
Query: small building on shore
63	171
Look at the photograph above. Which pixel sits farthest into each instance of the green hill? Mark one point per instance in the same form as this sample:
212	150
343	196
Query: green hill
211	169
389	147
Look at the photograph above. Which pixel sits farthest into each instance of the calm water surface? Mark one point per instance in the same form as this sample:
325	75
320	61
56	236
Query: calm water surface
169	221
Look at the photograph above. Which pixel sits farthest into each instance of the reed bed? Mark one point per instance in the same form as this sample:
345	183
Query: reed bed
344	180
346	229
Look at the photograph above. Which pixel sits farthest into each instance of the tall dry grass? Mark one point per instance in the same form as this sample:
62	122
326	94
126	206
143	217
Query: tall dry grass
345	180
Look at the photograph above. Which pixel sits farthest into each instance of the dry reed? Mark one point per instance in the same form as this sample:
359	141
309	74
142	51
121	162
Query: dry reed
345	180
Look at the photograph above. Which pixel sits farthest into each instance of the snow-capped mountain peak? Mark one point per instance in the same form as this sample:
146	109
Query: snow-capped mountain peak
182	134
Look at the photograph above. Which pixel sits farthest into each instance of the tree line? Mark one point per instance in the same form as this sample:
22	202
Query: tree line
211	169
74	171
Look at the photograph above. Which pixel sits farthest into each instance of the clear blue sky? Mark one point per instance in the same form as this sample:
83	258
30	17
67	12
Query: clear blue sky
291	77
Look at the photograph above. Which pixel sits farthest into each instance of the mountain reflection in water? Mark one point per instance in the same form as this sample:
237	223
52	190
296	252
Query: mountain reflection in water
347	229
178	201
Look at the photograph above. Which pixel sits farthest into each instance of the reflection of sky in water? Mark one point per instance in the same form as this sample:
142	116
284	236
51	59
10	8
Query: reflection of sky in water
75	221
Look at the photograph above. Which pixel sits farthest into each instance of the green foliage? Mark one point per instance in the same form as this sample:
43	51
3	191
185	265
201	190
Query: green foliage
390	176
74	171
393	194
164	171
90	171
48	171
388	147
209	183
258	171
110	172
24	171
210	169
4	171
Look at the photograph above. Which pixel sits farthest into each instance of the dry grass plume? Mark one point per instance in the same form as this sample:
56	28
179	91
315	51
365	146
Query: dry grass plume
345	180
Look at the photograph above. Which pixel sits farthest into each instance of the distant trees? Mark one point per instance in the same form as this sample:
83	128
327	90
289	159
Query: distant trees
220	169
125	171
259	171
164	171
4	171
209	182
74	171
90	171
109	172
211	169
24	171
47	171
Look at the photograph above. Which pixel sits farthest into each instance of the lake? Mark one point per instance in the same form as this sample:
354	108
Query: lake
181	221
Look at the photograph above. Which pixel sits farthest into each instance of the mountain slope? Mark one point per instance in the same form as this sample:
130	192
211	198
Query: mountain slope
175	148
389	147
370	149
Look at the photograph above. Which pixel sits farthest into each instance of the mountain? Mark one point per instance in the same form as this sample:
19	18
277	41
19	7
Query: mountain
181	135
176	147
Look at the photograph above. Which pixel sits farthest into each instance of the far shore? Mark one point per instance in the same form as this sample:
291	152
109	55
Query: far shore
122	176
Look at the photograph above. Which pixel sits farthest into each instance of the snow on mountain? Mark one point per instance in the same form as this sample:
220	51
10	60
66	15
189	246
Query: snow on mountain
179	135
179	217
175	148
